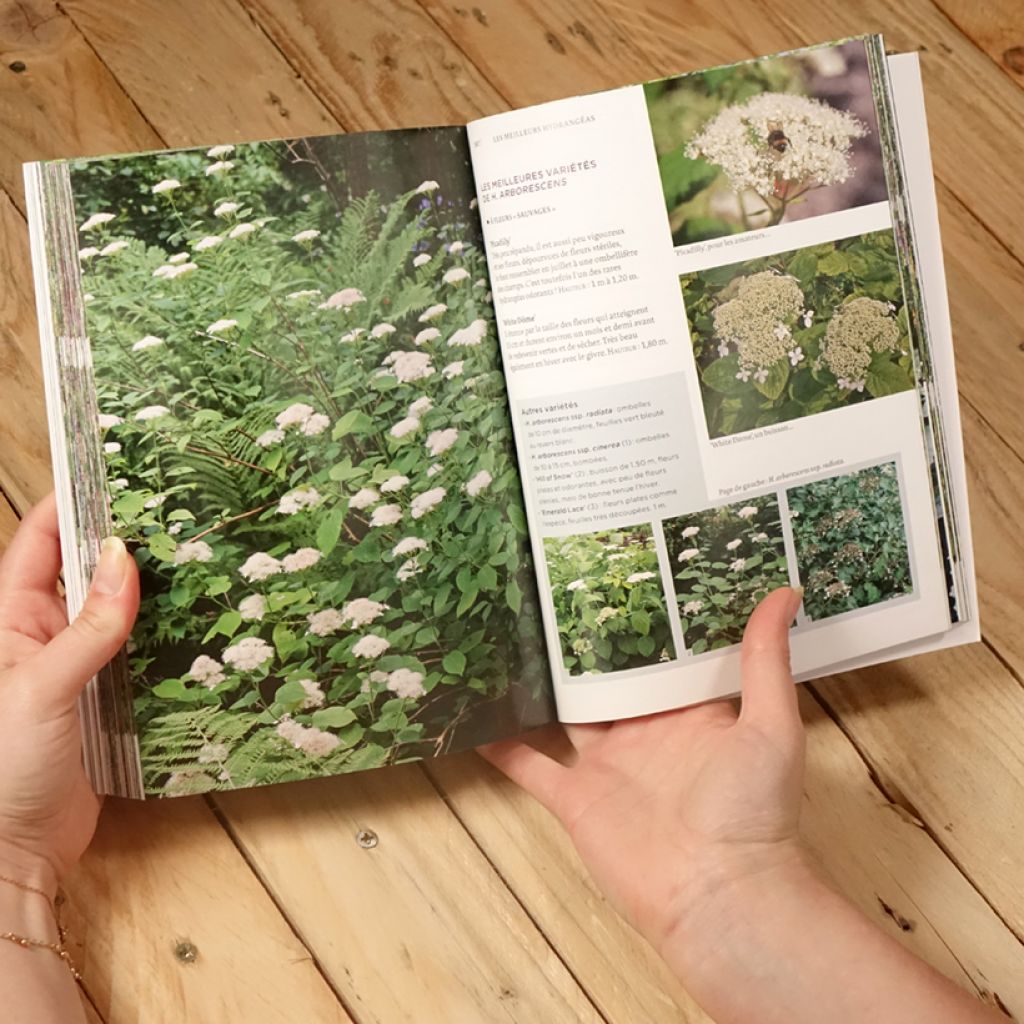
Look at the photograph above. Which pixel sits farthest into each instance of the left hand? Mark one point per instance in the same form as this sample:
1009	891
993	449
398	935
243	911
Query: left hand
48	810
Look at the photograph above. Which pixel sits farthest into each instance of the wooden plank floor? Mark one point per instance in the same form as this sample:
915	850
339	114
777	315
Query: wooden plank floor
472	907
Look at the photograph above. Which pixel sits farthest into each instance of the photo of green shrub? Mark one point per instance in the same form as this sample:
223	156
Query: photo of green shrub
309	450
760	142
851	541
724	560
609	600
798	333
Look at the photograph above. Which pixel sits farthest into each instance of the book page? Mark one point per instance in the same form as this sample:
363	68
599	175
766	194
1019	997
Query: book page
710	350
290	404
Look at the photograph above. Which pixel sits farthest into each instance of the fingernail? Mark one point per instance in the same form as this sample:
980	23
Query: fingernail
795	600
112	567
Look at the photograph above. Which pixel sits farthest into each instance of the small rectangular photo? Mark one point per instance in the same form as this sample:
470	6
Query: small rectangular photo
798	333
609	600
766	141
724	560
851	541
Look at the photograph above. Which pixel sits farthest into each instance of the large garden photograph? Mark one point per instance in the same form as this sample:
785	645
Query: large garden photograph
309	451
851	541
799	333
609	600
724	561
766	141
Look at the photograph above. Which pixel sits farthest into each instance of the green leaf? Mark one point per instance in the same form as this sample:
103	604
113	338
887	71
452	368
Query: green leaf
720	376
775	383
641	622
128	506
170	689
329	530
646	645
513	596
333	718
227	625
217	585
833	264
454	662
465	580
682	178
291	694
179	595
886	378
284	639
355	421
487	578
466	602
162	546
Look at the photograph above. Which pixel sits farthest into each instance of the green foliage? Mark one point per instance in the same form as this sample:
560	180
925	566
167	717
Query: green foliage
724	561
609	601
830	275
325	510
851	542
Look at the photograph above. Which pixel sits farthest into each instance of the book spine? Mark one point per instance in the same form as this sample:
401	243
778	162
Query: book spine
110	745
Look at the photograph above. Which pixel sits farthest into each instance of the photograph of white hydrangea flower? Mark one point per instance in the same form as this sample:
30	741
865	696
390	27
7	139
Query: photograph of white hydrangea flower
851	540
724	560
799	333
753	144
308	449
609	600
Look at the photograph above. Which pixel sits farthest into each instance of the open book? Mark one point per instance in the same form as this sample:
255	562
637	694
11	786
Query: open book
423	438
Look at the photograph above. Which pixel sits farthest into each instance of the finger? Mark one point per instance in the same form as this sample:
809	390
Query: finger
769	695
60	670
32	560
583	736
541	776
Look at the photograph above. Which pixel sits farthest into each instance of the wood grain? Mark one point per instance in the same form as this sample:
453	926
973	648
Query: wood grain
996	27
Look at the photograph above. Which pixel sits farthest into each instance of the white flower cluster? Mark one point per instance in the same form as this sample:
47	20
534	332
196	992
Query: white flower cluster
816	151
307	738
469	336
362	611
298	500
207	671
248	654
858	329
259	566
193	551
764	303
344	299
405	682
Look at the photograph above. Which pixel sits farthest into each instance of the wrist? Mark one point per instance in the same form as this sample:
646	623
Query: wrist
18	867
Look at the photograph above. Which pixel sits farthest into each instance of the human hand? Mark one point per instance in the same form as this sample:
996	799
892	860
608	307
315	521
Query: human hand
47	808
668	810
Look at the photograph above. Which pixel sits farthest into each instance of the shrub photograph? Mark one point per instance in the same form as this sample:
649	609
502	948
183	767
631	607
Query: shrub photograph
609	600
851	541
309	451
799	333
753	144
724	561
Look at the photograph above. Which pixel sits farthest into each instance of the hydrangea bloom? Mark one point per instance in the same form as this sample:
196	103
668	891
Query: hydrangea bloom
212	753
295	415
363	498
576	585
692	607
763	302
207	243
111	247
733	544
639	577
688	554
422	260
410	366
361	611
455	275
424	502
408	546
167	185
219	326
269	437
382	330
108	420
326	622
226	208
88	252
345	299
316	424
409	568
221	150
427	334
857	329
690	531
432	312
439	441
149	341
304	558
747	511
394	483
207	671
421	406
193	551
738	564
248	654
259	566
370	646
478	483
456	247
252	608
96	220
453	370
307	738
469	336
427	186
819	142
296	501
386	515
152	412
306	236
220	167
239	230
406	426
405	682
315	697
303	293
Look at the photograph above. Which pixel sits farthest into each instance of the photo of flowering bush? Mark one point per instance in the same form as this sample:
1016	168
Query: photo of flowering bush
724	560
851	541
798	333
757	143
609	601
308	449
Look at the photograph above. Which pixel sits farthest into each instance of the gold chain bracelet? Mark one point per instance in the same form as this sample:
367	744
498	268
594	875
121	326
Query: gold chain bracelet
58	947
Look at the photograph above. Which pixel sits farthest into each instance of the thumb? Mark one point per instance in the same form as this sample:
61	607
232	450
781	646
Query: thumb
63	667
769	696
